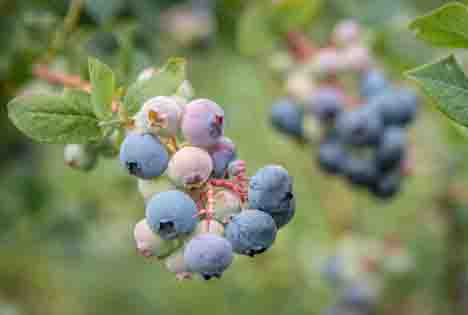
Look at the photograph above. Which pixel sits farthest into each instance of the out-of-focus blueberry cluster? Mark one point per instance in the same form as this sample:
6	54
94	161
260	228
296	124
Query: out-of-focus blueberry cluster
338	96
213	210
357	271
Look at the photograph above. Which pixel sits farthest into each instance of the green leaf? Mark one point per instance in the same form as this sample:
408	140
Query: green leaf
66	118
255	35
164	83
103	85
445	81
444	27
293	14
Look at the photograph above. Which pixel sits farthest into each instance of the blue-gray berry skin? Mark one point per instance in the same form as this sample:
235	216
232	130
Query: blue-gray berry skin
171	214
143	155
327	103
284	217
332	156
360	127
208	255
373	83
361	172
387	186
391	149
398	107
251	232
288	118
270	190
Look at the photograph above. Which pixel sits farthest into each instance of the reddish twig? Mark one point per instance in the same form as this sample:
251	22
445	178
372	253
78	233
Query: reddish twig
72	81
66	80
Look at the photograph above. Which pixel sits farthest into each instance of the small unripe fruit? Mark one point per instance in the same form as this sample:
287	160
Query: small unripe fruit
149	244
175	263
357	58
203	123
226	205
346	33
159	116
80	156
299	86
190	167
328	62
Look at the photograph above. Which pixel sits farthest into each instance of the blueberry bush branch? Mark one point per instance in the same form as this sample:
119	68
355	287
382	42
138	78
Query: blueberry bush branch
213	209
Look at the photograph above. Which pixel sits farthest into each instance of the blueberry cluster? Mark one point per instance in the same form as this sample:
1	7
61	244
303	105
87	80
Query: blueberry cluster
213	210
360	115
358	269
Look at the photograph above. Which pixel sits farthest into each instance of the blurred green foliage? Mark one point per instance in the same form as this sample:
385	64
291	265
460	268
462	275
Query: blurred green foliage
66	237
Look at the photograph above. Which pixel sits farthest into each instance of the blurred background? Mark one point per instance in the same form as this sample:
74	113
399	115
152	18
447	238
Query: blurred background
66	236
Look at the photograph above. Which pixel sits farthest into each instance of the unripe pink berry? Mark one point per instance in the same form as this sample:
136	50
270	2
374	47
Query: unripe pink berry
203	123
346	33
328	61
357	58
159	116
190	167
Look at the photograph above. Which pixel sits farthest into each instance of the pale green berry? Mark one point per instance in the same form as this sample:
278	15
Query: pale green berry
150	244
226	205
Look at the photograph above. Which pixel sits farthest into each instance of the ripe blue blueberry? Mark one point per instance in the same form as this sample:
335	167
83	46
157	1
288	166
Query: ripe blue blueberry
208	255
171	214
397	106
361	172
373	83
143	155
270	190
391	149
327	103
387	186
223	153
360	127
284	217
288	117
332	156
203	123
251	232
